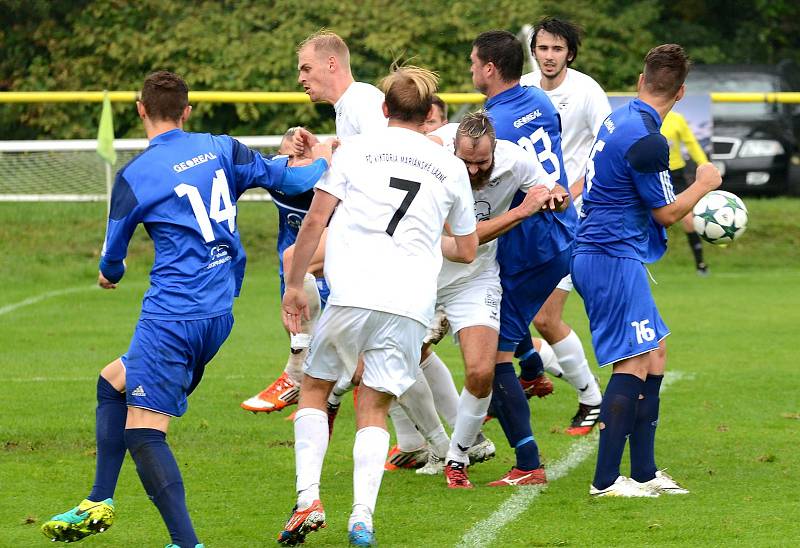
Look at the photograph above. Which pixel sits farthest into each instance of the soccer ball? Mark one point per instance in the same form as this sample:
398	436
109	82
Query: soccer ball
720	217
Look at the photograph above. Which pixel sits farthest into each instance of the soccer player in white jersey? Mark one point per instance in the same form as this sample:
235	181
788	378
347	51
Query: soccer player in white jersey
323	64
390	196
470	294
582	105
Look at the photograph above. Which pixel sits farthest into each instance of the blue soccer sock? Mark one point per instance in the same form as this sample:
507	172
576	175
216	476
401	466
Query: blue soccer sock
530	362
617	417
162	481
109	429
643	437
512	411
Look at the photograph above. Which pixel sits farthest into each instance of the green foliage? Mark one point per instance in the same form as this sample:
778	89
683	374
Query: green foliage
249	45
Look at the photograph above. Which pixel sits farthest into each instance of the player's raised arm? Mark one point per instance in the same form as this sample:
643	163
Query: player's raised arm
707	179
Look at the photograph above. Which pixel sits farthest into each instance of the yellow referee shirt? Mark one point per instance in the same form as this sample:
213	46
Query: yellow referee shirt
677	132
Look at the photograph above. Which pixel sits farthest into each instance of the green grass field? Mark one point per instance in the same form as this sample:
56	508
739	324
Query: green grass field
729	427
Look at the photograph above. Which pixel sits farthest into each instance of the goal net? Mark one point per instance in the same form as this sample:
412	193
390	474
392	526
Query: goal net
71	170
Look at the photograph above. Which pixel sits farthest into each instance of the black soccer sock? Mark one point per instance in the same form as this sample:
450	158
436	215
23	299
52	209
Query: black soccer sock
617	416
514	415
110	419
162	481
696	245
530	362
643	438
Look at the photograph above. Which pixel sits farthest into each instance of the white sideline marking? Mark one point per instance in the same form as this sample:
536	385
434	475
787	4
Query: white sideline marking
484	532
86	379
39	298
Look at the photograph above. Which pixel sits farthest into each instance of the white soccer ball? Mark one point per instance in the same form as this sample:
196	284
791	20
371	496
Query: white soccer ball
720	217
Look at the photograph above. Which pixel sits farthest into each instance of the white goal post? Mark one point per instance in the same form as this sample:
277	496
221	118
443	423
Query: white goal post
71	170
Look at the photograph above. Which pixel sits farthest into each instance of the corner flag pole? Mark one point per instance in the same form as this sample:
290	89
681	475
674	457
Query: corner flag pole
105	144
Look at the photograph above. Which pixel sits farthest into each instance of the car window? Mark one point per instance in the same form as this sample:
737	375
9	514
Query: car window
746	82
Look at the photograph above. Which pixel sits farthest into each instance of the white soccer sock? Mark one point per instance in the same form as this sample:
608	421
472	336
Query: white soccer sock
310	445
471	411
572	359
408	437
549	358
369	453
294	365
303	339
445	394
418	404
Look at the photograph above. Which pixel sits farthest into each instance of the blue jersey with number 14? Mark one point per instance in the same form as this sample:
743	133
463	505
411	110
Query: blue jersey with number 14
526	116
184	188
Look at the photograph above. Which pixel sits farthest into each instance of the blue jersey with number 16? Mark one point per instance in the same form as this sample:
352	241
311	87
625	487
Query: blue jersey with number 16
627	176
184	188
526	116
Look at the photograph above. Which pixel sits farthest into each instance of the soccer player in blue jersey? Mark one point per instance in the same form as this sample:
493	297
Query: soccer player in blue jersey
183	188
534	256
291	210
628	200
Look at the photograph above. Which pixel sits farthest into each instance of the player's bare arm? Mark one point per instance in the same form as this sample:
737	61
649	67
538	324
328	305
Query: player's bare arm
295	302
460	249
535	199
707	179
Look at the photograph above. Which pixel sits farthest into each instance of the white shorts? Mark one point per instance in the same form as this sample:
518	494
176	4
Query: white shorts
390	345
471	303
565	284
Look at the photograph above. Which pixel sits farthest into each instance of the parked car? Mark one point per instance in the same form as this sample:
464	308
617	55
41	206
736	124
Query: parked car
755	145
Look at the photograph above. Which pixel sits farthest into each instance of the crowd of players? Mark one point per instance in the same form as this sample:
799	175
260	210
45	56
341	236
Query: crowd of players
508	184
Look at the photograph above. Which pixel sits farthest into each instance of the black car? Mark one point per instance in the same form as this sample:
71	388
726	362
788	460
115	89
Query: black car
755	145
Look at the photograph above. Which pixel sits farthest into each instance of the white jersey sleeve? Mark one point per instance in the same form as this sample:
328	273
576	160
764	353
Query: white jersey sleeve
359	110
447	133
462	214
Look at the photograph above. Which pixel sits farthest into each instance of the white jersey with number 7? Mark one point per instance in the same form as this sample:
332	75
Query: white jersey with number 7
397	189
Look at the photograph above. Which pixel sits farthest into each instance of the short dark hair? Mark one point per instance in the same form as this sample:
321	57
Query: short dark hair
570	32
503	50
665	69
439	102
164	95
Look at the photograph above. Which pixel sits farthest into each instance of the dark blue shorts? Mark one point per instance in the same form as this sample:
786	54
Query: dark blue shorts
623	317
166	361
524	293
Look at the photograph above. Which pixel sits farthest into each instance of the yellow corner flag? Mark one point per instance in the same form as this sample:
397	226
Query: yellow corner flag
105	133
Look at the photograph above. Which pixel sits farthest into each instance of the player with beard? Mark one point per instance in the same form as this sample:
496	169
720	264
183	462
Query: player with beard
470	295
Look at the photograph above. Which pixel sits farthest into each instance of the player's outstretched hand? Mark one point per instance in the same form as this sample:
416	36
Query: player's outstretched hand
558	201
294	308
709	176
535	200
104	283
302	143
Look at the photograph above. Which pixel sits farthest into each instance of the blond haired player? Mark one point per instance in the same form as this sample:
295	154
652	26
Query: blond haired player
390	193
323	65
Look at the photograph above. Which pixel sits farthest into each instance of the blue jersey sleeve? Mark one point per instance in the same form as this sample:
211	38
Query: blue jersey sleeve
123	217
649	161
297	180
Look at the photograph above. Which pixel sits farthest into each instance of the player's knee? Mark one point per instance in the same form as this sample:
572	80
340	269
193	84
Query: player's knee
479	382
545	323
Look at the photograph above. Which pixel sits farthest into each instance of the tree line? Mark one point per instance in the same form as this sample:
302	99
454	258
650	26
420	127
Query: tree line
249	45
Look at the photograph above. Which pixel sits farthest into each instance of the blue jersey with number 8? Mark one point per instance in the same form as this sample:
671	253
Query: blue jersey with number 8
526	116
184	188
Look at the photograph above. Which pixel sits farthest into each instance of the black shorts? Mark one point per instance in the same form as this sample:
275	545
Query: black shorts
679	182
